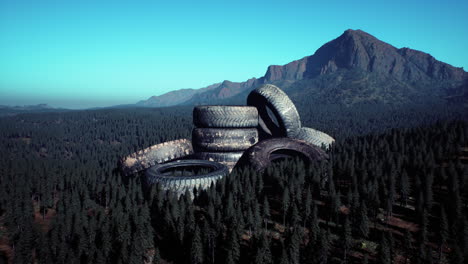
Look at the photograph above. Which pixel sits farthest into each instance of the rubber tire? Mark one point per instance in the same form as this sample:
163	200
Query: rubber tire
260	156
224	139
222	116
229	159
315	137
282	107
179	185
156	154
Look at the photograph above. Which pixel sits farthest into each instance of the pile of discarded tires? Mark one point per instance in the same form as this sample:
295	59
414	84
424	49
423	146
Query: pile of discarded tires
225	137
272	103
223	133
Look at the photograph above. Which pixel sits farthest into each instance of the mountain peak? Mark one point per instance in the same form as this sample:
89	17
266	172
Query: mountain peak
354	59
359	50
359	38
356	32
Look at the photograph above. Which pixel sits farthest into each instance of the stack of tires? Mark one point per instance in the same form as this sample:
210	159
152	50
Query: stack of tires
223	133
282	134
278	117
228	136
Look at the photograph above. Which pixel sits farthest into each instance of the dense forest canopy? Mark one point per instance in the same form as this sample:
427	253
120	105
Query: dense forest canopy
395	190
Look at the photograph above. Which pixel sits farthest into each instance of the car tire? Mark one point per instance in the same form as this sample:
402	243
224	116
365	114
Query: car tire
229	159
260	156
315	137
224	139
180	184
156	154
222	116
271	97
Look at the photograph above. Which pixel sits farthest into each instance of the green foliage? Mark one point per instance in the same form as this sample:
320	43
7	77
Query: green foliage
61	168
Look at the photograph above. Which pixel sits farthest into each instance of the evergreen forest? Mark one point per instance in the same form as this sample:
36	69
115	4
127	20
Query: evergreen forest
395	190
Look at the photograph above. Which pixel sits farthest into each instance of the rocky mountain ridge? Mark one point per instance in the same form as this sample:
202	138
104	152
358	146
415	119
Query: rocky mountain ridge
355	67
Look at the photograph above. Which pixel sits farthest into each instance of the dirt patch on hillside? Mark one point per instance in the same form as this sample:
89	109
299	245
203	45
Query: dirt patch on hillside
6	252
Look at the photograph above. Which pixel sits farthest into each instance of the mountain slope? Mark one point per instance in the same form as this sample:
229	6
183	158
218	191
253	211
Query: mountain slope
175	97
6	110
353	68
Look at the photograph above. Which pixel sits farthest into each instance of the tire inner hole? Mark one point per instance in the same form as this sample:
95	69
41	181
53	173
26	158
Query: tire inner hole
281	155
186	171
272	116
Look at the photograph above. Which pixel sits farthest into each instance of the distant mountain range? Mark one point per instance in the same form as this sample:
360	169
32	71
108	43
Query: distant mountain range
354	68
27	107
6	110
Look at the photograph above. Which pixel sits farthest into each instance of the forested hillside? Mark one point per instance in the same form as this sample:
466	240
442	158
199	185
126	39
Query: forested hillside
394	191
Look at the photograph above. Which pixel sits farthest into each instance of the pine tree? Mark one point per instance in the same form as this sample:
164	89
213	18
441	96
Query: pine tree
294	245
454	190
383	255
256	214
196	250
457	255
408	245
249	221
365	259
429	259
323	246
404	188
443	230
374	199
424	222
284	257
313	225
391	244
286	203
310	255
230	259
211	211
336	204
263	253
156	257
347	239
295	216
391	192
266	211
233	246
229	209
349	198
428	181
209	236
307	210
465	237
363	221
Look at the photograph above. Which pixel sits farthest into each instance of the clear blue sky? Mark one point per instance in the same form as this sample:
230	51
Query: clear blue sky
78	54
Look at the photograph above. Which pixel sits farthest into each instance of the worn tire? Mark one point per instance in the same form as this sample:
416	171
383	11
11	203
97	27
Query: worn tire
229	159
272	97
180	184
223	116
315	137
262	154
153	155
224	139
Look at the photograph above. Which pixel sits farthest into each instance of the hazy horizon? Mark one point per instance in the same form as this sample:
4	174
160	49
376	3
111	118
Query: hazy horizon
86	54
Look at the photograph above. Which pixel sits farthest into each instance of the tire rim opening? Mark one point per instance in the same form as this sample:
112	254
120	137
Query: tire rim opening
187	171
281	155
272	116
